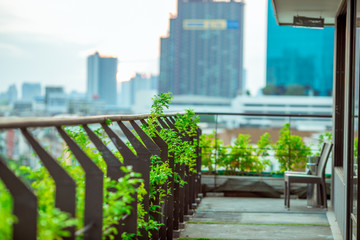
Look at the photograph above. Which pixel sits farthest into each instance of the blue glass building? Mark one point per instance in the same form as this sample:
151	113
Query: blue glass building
299	56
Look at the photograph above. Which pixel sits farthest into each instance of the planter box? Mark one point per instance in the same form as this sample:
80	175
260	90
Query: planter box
251	186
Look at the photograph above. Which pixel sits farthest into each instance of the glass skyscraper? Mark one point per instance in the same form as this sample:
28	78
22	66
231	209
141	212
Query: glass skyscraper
300	56
203	52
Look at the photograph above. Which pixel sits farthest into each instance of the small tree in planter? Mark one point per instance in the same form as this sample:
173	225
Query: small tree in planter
262	151
244	157
210	146
290	150
241	154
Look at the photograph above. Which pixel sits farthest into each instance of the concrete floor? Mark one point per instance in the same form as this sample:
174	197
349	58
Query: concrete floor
256	218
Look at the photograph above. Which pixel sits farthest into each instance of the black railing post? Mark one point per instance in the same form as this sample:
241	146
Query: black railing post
94	182
129	224
188	200
64	185
25	206
154	150
113	164
143	167
165	231
175	220
114	171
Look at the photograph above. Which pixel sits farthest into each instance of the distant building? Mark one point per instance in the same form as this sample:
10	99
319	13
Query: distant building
30	91
50	90
138	91
101	78
200	104
12	94
55	100
302	105
22	108
125	95
300	56
84	107
203	52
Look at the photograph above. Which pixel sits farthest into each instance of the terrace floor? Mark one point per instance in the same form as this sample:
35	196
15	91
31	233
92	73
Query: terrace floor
259	218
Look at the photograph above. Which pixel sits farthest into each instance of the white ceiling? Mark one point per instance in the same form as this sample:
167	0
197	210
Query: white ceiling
285	10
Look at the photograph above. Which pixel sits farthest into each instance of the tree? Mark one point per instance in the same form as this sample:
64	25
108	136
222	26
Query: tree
270	89
295	90
290	150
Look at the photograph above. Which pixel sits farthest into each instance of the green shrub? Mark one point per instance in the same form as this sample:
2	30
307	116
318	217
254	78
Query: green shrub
210	146
290	150
241	156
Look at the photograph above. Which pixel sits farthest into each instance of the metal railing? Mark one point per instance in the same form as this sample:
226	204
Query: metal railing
178	203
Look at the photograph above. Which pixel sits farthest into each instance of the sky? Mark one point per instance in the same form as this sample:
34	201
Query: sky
48	41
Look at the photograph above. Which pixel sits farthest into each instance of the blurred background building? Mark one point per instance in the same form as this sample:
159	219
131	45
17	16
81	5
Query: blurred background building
203	52
301	58
136	94
101	78
30	91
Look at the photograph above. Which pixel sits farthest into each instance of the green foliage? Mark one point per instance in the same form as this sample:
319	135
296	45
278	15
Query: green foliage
208	142
356	140
7	219
160	102
270	89
290	150
325	137
241	156
244	157
295	90
116	202
184	151
52	222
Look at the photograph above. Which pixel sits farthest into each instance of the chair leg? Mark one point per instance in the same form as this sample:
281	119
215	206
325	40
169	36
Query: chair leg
287	197
324	194
288	194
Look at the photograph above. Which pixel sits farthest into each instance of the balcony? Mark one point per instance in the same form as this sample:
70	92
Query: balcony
128	140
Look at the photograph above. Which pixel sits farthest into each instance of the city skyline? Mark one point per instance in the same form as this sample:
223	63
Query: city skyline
53	51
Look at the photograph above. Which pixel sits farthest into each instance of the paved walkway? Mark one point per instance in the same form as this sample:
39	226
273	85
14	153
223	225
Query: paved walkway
256	218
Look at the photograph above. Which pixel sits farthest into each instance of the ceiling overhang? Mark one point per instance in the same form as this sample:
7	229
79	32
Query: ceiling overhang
286	10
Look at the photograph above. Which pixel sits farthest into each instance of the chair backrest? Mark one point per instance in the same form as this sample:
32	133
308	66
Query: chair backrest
324	156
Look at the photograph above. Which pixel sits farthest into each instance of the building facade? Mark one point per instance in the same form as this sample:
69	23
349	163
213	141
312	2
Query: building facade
299	57
12	94
203	52
30	91
138	91
101	78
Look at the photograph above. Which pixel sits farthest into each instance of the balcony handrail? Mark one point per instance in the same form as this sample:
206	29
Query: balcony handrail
22	122
267	114
179	202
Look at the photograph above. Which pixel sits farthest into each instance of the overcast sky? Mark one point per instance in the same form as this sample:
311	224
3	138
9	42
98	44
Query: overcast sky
47	41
